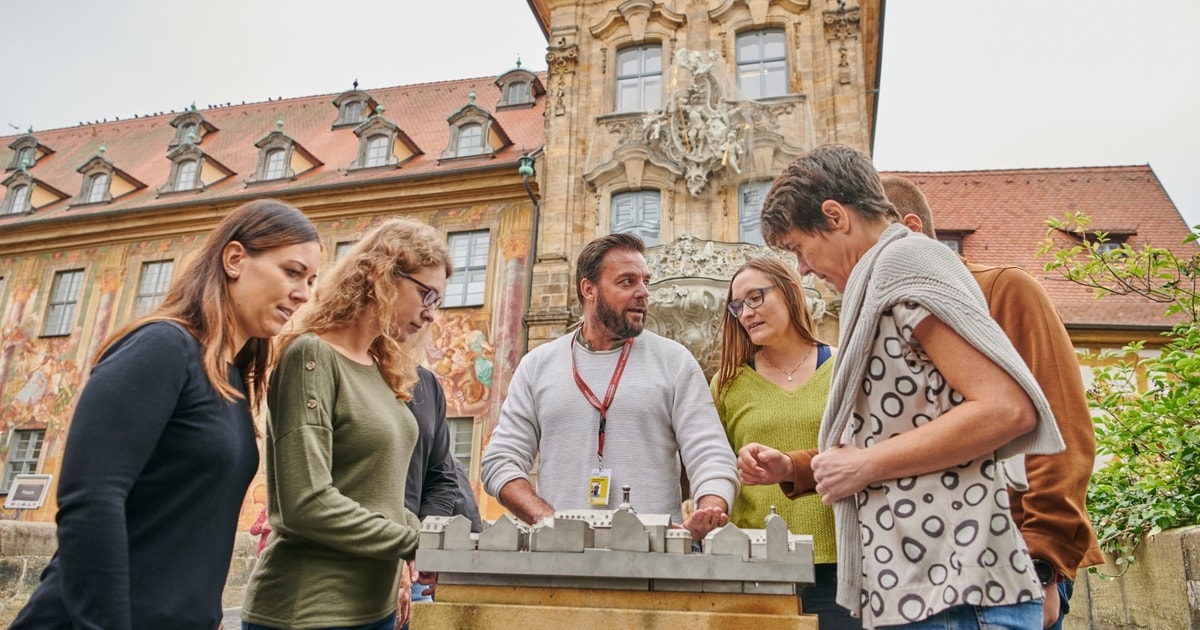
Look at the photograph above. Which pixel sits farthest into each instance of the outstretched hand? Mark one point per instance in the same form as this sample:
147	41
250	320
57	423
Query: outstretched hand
760	465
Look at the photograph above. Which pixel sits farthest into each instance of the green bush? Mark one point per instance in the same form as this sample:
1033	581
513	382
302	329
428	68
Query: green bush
1147	432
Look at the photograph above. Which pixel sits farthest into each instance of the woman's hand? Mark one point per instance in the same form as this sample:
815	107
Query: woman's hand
760	465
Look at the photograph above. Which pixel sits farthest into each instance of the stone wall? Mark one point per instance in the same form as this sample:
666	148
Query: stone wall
25	548
1160	590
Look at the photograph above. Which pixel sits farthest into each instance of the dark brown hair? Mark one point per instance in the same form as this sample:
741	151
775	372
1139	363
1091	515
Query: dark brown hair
587	266
198	298
830	171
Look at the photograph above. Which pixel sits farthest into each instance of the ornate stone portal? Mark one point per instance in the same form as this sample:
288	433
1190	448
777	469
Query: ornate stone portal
691	281
699	129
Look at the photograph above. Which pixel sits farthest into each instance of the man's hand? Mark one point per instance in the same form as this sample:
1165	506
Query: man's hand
839	472
428	579
711	513
760	465
1051	604
404	595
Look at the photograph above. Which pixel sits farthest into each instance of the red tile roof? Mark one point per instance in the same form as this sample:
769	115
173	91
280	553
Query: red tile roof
1005	211
139	147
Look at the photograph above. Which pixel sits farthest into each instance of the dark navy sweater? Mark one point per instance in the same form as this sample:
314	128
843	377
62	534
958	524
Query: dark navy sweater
153	476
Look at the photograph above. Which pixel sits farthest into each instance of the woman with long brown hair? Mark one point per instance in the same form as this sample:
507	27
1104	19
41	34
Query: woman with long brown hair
771	388
340	437
162	443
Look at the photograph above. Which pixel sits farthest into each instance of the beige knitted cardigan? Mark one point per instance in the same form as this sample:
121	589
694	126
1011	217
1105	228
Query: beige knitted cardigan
907	267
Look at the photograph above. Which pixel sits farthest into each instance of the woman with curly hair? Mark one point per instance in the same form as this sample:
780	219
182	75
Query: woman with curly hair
340	438
162	441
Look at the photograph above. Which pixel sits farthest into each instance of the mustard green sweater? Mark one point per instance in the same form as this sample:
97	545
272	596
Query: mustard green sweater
754	409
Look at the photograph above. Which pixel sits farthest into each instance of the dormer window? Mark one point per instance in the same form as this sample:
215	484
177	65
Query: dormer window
470	139
102	182
518	88
354	107
191	169
26	194
382	143
27	151
190	128
97	187
279	157
474	132
17	199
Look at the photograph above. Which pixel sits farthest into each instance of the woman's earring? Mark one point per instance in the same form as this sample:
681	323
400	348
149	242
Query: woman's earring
232	273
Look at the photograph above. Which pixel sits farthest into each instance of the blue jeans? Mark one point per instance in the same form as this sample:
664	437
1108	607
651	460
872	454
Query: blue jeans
1027	616
1065	589
387	623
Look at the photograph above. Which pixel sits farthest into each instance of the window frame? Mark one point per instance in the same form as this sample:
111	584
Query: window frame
462	275
456	426
103	196
760	65
153	296
639	80
56	303
638	224
29	460
11	205
750	227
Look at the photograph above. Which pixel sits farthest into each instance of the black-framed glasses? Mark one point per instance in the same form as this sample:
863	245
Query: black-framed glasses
430	298
753	300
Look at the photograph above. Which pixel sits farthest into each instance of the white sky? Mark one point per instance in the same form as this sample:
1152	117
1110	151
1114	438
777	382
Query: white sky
966	85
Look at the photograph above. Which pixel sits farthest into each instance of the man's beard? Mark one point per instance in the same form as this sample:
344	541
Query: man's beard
617	322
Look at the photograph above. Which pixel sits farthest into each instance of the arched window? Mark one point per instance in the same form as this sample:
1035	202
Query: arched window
276	164
637	211
18	200
185	176
470	139
377	150
98	187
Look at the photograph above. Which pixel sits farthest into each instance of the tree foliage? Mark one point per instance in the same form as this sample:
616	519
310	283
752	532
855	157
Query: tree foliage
1145	405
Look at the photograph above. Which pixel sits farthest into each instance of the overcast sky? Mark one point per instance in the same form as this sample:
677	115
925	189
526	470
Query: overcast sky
966	85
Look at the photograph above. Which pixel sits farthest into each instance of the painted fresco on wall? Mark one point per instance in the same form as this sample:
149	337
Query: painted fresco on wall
459	352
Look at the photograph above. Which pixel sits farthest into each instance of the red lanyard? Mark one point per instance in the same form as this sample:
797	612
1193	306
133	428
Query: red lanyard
602	407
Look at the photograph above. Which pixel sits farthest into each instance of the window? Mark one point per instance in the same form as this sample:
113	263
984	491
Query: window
639	79
469	255
185	175
17	200
352	113
276	164
953	242
637	212
187	133
750	200
462	430
762	63
341	249
23	456
152	287
516	92
98	187
60	312
26	157
1110	246
470	139
377	150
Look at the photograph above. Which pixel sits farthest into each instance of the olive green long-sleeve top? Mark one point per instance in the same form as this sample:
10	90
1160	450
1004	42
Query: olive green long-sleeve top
338	445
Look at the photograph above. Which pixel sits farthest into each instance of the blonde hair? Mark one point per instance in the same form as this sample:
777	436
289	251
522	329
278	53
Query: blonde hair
736	347
366	282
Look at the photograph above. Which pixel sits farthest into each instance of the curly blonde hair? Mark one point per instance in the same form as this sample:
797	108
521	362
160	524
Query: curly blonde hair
366	283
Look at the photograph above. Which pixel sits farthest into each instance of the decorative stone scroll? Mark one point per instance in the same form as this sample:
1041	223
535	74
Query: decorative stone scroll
698	129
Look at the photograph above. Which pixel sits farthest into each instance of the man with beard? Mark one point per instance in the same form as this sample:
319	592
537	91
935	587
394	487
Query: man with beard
609	405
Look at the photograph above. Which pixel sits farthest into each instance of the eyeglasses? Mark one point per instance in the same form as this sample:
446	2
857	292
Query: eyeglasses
753	300
430	298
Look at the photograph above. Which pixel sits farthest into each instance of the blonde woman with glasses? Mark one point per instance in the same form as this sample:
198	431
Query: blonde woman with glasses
340	438
771	388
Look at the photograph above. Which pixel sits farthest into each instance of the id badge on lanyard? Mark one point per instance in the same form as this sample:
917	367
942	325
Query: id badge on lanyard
600	481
